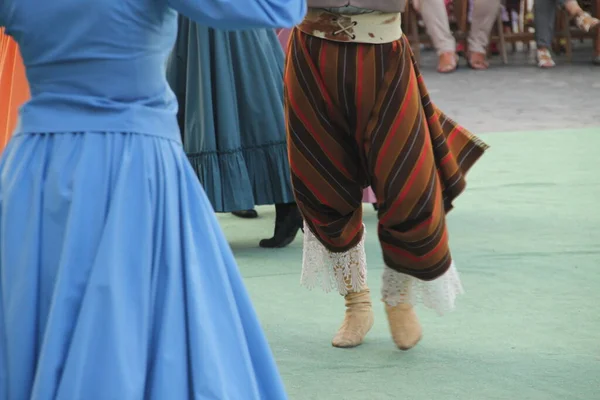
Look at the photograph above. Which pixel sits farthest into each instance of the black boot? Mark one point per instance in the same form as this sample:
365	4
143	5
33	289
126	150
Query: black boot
246	214
288	222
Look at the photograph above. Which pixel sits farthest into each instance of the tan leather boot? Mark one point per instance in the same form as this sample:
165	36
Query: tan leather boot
404	325
357	322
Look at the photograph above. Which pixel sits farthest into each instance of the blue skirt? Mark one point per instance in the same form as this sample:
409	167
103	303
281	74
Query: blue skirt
229	86
115	279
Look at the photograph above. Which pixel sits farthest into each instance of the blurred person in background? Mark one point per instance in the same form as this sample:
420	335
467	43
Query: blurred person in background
544	19
483	18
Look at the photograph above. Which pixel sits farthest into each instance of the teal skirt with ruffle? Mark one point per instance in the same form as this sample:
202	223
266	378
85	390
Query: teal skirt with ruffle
230	91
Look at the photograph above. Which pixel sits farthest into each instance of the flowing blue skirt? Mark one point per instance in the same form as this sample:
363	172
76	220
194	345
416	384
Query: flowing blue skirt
229	86
115	279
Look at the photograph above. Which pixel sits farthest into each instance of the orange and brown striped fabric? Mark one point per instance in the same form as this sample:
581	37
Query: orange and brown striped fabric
14	89
360	115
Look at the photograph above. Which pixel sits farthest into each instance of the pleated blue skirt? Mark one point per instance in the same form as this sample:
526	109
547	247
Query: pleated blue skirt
115	279
229	86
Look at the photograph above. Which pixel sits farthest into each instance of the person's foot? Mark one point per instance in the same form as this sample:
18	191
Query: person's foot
447	62
544	59
477	61
358	321
246	214
288	221
404	325
585	21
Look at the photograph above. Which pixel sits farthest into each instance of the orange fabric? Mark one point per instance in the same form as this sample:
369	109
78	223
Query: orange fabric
14	89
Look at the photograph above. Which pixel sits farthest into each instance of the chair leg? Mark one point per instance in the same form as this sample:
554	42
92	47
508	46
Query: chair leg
500	27
596	11
567	34
414	27
525	27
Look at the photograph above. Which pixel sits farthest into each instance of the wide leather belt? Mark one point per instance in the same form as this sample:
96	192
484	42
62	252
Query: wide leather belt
373	27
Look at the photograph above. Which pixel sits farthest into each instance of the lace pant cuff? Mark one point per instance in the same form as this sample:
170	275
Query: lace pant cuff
347	272
439	295
343	272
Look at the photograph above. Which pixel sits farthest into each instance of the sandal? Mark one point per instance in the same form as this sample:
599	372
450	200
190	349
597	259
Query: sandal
447	62
477	61
586	22
544	59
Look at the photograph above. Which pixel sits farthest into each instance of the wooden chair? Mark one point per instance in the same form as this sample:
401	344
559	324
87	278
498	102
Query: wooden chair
501	37
523	34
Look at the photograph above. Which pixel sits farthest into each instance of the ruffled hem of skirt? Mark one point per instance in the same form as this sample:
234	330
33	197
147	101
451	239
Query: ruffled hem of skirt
243	178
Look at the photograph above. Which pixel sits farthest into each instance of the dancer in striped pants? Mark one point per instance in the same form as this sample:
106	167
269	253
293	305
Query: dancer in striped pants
359	114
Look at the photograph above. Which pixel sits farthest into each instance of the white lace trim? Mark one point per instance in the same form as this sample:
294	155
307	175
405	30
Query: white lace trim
347	272
343	272
439	294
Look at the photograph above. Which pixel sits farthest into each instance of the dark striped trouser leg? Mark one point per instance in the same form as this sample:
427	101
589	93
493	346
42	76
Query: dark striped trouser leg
417	160
327	173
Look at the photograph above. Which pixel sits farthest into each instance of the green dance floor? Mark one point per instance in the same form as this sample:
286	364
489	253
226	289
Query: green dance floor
526	239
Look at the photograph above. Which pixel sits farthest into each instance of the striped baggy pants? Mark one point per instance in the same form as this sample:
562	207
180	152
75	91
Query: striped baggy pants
360	115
